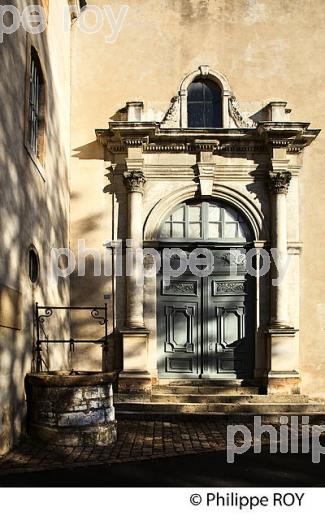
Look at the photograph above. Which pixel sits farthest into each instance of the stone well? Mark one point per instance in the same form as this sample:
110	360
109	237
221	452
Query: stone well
71	409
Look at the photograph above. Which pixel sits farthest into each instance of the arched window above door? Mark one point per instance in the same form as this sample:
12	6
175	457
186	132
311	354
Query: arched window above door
205	220
204	105
203	100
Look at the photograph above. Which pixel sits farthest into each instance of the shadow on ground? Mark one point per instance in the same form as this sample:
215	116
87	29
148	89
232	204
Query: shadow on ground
203	470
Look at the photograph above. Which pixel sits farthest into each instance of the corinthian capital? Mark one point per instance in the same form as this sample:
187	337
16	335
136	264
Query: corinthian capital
279	181
134	180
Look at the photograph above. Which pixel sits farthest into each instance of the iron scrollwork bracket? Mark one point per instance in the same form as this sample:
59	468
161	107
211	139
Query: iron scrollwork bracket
95	313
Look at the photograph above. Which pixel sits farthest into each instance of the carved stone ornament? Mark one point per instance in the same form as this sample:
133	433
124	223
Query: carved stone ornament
172	117
134	181
235	113
279	181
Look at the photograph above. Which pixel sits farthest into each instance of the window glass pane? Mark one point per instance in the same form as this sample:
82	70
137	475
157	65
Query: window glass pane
204	104
219	222
33	265
214	230
211	91
231	230
212	116
195	91
179	214
195	115
214	213
194	213
34	104
243	231
178	231
230	215
194	230
166	230
208	115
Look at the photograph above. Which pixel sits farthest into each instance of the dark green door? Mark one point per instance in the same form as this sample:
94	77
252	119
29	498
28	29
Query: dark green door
205	324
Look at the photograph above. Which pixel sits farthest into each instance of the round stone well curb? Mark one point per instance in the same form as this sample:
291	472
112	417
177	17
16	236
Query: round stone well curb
71	409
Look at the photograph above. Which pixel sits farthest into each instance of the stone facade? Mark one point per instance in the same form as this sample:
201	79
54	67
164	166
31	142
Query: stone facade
246	164
121	156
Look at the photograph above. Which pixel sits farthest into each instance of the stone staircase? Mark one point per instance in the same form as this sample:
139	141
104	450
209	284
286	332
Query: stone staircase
218	400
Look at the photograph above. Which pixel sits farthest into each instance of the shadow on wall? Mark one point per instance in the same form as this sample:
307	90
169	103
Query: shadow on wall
92	150
33	211
90	289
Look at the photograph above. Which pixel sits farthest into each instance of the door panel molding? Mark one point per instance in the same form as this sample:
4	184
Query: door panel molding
222	326
173	333
226	287
179	287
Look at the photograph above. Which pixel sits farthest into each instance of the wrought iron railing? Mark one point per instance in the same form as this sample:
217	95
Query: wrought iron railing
42	312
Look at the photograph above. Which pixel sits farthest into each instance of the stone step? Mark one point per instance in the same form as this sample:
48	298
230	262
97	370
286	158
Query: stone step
203	382
219	408
220	398
205	389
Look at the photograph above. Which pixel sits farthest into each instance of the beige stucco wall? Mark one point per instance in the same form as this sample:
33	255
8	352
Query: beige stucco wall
267	50
34	207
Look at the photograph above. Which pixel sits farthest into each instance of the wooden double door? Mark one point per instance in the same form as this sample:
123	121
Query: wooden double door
205	324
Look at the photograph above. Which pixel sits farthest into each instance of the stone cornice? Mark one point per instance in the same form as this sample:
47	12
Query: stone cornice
293	136
206	145
155	139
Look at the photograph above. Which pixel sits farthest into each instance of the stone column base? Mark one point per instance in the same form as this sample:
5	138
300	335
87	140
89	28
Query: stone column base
135	378
283	359
287	383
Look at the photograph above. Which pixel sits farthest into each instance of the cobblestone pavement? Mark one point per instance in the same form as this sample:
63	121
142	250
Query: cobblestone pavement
137	440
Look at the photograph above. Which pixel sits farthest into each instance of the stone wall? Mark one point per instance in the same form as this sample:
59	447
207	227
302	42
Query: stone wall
71	410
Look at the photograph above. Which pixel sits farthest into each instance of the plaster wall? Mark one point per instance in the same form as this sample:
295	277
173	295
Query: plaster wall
268	51
34	208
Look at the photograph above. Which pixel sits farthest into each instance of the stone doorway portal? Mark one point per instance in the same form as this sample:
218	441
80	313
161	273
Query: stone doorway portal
206	323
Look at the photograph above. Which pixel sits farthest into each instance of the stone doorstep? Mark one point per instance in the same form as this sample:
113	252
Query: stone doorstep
219	398
252	408
223	383
212	397
206	388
